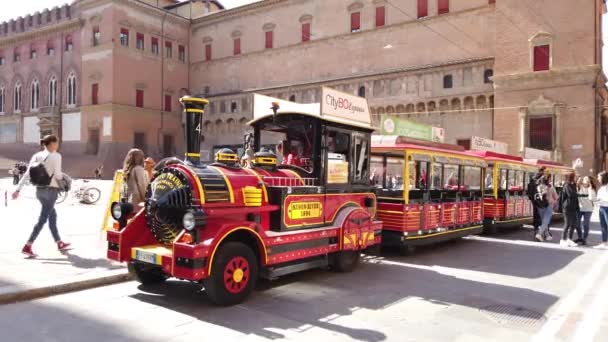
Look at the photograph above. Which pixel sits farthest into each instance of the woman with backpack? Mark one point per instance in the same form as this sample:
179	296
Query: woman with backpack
135	177
546	199
602	197
45	173
569	205
587	194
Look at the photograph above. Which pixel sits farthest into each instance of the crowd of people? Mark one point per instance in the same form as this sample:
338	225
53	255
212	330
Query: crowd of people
576	202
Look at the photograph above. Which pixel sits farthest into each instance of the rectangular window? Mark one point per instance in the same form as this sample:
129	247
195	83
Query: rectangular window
2	61
50	50
466	143
181	53
168	145
541	57
360	158
472	178
139	43
443	6
355	22
450	177
33	54
94	93
208	52
168	49
305	32
96	36
154	45
380	16
68	44
236	49
541	133
338	157
492	1
423	8
124	37
17	57
167	103
139	140
268	39
139	98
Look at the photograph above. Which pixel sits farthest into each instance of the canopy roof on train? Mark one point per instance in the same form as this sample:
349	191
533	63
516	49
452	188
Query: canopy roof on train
335	107
491	156
551	165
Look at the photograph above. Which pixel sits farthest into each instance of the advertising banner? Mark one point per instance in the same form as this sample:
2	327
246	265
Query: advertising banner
344	106
483	144
410	129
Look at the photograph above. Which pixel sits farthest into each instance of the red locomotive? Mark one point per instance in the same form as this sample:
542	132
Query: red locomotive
225	225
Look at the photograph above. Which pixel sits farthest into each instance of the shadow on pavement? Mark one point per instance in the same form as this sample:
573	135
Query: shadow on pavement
317	298
80	262
518	260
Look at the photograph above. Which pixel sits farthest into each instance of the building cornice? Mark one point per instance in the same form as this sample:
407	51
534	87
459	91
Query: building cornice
41	32
136	5
214	17
555	77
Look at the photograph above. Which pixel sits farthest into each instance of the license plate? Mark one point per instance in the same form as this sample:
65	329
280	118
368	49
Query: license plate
145	257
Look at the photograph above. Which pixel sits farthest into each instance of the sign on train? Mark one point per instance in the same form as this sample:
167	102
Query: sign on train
483	144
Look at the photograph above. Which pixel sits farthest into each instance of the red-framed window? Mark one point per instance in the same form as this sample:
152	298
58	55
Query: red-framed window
139	98
168	49
268	38
492	1
124	37
355	22
236	48
208	52
542	58
50	48
305	32
154	43
443	6
380	16
139	43
68	43
94	93
423	8
541	133
167	103
181	53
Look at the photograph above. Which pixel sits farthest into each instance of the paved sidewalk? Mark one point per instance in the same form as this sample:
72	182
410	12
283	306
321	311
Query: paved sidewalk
53	272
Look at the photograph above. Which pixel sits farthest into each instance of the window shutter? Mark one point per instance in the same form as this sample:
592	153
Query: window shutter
94	91
443	6
423	8
492	1
208	52
380	16
305	32
355	21
237	46
541	133
269	39
167	103
139	98
541	57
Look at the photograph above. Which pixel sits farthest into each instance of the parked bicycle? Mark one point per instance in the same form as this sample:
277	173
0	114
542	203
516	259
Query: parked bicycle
83	191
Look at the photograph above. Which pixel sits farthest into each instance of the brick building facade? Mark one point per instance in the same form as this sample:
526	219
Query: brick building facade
526	73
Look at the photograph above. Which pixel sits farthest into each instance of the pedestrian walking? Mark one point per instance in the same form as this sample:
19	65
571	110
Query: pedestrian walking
602	197
531	191
45	173
16	174
545	199
587	195
569	206
99	172
135	177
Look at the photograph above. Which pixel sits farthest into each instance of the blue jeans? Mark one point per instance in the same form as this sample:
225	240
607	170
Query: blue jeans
604	223
584	218
545	219
47	197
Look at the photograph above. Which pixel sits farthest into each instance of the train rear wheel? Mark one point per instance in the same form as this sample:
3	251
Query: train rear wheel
407	250
146	275
345	261
233	274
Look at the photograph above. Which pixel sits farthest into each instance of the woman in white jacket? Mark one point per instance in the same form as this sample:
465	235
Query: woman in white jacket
602	198
587	195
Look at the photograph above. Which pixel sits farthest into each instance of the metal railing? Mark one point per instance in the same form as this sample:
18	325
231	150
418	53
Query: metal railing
290	182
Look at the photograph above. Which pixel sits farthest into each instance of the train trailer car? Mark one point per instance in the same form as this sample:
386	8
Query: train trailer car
224	225
427	192
506	202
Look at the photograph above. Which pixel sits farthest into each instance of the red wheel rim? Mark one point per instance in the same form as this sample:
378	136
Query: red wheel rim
236	275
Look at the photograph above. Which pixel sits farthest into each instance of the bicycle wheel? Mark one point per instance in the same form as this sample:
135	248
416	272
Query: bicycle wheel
91	195
61	197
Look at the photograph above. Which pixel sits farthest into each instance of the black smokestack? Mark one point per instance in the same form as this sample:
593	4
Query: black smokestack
194	108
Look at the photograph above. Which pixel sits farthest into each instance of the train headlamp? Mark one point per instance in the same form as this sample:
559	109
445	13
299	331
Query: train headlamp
193	219
120	211
189	221
116	211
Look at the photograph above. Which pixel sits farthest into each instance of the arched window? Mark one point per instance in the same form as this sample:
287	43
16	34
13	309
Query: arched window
292	98
447	81
2	98
361	91
233	107
72	90
53	91
35	95
17	102
487	75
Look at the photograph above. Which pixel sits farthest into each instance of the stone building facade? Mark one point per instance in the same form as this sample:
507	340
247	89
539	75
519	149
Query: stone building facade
526	73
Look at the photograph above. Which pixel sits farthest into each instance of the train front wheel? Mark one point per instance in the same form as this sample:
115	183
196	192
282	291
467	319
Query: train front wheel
234	273
345	261
146	275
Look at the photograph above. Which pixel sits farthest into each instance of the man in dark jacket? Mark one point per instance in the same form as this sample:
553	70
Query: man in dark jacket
532	186
569	205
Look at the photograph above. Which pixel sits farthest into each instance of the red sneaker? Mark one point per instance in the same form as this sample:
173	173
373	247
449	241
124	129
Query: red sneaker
63	246
27	250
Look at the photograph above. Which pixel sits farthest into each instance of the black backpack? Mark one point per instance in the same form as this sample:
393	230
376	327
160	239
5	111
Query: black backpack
39	176
540	197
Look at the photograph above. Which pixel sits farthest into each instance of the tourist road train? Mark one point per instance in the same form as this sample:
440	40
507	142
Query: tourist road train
337	194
